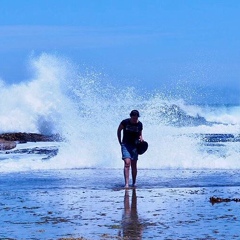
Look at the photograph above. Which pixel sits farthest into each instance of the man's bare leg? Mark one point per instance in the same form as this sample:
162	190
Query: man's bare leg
127	163
134	171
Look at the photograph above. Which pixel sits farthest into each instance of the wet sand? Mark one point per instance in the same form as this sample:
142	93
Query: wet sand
91	204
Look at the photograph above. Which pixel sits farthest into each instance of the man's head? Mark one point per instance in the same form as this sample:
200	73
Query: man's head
134	114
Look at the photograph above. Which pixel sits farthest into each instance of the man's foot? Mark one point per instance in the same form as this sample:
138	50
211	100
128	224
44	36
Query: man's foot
126	186
134	185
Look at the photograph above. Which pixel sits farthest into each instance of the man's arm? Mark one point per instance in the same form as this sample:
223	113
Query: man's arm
120	128
141	137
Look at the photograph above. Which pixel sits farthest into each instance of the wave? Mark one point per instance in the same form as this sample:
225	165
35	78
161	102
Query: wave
85	110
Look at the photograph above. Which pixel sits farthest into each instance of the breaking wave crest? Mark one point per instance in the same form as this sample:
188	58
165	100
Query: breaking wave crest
86	111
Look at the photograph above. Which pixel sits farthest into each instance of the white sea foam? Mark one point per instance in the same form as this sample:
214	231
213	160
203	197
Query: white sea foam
86	112
223	114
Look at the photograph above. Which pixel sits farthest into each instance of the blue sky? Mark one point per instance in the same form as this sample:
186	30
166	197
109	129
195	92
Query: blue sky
190	48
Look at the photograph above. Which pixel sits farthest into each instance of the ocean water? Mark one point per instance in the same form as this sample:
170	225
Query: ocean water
74	188
86	109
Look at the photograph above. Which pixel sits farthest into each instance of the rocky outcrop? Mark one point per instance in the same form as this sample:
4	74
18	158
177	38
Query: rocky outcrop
9	140
214	200
29	137
48	152
7	145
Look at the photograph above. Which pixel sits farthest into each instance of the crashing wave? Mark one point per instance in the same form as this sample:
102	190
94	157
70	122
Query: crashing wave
175	116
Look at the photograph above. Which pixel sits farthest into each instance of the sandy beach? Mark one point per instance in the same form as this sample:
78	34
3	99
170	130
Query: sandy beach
92	204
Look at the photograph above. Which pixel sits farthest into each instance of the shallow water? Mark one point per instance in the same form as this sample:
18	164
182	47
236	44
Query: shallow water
167	204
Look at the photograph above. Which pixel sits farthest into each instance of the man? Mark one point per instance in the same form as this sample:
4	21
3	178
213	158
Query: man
132	132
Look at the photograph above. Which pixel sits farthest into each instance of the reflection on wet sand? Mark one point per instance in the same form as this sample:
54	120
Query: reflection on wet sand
131	226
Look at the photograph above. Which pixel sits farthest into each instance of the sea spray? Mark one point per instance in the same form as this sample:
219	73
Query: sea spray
86	111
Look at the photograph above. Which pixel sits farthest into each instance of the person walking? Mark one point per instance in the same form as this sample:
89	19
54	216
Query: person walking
132	133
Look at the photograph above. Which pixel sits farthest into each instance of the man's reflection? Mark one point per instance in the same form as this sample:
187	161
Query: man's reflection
131	226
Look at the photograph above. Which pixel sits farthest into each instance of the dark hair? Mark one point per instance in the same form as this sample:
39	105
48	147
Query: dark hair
134	113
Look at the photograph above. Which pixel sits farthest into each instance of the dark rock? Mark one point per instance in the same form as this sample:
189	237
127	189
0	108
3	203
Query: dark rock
30	137
214	200
9	141
7	145
219	138
48	151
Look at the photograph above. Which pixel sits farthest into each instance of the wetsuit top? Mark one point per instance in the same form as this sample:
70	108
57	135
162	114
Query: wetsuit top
131	131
